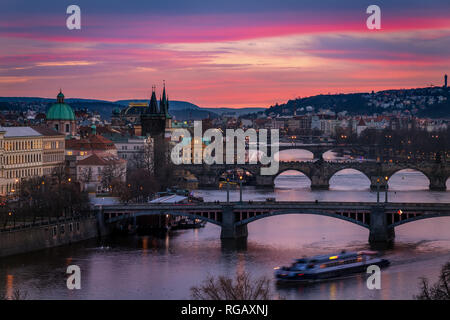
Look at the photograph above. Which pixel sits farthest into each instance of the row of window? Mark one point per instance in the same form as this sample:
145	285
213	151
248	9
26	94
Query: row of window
89	170
53	145
22	173
53	157
134	148
22	145
67	128
62	229
22	158
341	262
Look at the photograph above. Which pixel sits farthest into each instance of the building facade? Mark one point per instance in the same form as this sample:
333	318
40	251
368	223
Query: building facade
53	149
20	157
96	173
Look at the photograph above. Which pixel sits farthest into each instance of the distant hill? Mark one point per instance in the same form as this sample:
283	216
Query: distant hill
432	102
181	110
173	104
238	111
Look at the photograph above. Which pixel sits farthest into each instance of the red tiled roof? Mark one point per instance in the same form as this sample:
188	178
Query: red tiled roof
95	160
93	142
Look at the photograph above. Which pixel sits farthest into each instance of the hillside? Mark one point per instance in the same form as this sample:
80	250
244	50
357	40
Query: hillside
432	102
181	110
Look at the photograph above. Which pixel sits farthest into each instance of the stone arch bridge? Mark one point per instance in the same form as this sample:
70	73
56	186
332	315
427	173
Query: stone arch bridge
320	172
233	218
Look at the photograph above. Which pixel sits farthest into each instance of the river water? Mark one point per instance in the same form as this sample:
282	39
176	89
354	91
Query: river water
167	267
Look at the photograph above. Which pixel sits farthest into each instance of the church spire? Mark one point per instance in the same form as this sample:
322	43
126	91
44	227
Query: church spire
153	105
163	101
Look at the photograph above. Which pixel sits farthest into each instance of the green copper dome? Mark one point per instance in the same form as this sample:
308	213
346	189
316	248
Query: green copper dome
60	110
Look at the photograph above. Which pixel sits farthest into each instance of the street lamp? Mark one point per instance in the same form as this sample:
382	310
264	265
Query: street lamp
240	188
378	190
386	189
228	190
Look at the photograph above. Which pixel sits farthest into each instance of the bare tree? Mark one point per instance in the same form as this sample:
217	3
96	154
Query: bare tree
140	185
59	173
84	175
242	287
111	173
440	290
143	159
16	295
154	159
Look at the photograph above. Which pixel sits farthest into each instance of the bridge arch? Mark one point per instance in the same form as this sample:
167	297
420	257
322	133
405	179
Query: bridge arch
154	213
354	178
294	154
291	170
305	211
397	181
421	217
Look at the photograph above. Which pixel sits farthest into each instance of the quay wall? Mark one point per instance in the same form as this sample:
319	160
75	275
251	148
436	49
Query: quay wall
53	234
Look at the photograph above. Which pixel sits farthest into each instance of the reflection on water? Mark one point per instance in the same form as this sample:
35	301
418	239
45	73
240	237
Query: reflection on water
167	267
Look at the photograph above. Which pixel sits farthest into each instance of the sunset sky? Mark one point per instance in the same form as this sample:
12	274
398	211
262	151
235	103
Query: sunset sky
233	53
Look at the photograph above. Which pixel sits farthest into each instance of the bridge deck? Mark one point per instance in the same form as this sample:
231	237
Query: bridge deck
278	205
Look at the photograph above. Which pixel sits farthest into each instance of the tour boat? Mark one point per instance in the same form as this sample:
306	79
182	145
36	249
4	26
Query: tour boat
329	266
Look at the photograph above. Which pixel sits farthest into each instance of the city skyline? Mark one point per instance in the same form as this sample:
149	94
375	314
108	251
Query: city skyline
251	54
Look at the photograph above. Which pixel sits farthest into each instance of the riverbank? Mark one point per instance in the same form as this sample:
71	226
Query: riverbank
50	234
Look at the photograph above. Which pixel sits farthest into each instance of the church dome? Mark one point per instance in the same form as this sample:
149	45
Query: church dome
60	110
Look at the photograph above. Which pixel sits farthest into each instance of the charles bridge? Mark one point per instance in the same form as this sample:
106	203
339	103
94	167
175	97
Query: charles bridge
320	172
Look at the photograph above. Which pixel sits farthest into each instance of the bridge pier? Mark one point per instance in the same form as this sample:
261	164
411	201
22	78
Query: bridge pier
319	182
318	154
229	228
381	235
438	183
264	181
102	230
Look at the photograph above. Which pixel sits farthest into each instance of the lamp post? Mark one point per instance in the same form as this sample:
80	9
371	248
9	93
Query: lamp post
240	189
228	190
386	189
378	190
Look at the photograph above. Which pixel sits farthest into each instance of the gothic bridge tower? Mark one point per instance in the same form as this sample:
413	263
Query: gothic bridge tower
154	122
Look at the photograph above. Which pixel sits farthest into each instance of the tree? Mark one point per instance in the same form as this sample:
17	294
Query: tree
84	176
112	173
154	159
59	173
243	287
140	185
440	290
46	197
143	159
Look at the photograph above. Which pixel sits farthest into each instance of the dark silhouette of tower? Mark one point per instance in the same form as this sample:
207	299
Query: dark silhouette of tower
154	122
445	81
155	119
